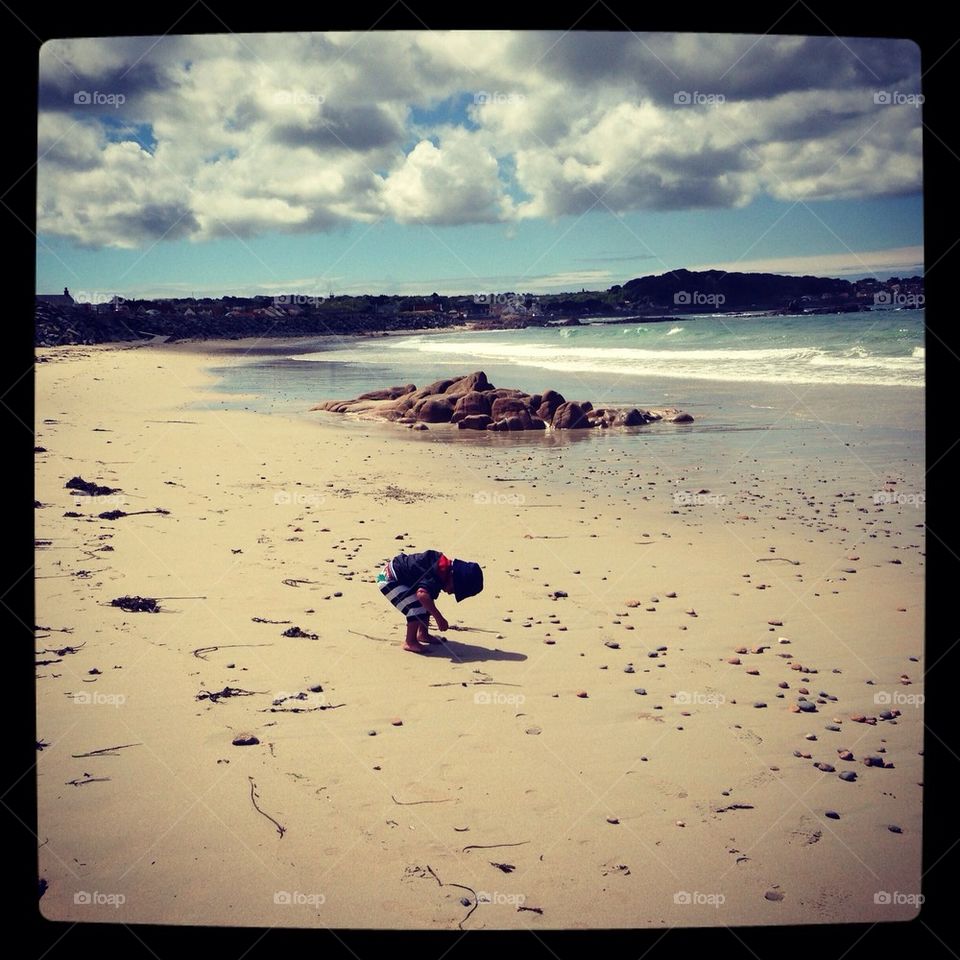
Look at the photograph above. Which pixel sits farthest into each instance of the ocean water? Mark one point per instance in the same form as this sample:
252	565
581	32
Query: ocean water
813	387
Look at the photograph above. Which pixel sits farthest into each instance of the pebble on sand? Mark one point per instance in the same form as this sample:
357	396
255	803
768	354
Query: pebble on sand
848	775
825	767
775	623
396	721
754	672
773	895
613	819
245	740
581	693
832	814
893	828
759	704
734	660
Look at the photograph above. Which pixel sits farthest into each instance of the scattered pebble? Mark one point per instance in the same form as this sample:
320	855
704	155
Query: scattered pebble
581	693
640	691
848	775
534	731
773	895
832	814
759	704
613	820
893	828
396	721
245	740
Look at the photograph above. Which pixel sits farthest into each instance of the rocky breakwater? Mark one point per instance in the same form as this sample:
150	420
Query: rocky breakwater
473	403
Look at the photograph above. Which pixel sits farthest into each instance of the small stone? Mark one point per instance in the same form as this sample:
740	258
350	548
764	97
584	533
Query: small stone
672	594
775	623
810	736
782	640
893	828
613	820
848	775
316	688
734	660
759	704
773	895
581	693
629	668
396	721
691	612
873	761
534	731
783	685
681	823
832	727
803	690
807	707
612	644
231	666
825	767
845	754
832	814
740	650
338	593
640	691
245	740
754	672
371	733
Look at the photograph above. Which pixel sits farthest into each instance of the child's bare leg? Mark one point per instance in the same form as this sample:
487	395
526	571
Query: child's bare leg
411	643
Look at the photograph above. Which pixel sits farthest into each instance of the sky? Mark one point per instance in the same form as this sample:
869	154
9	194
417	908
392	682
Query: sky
468	162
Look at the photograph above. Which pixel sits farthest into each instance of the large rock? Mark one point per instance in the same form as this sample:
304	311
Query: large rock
570	416
505	406
479	421
548	404
390	393
435	410
630	418
473	382
471	404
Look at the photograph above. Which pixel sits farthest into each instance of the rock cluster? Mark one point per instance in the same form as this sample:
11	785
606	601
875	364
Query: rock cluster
473	403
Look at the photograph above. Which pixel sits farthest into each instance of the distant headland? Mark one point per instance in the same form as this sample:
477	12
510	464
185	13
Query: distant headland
99	317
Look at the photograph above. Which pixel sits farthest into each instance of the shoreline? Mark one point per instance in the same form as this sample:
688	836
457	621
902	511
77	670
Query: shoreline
591	788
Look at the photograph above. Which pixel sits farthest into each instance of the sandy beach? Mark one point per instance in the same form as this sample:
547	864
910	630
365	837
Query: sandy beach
648	718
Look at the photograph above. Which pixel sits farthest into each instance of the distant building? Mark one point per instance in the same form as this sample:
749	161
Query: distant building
57	299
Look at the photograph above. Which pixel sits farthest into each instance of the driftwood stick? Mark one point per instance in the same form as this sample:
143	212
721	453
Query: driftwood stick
410	803
106	751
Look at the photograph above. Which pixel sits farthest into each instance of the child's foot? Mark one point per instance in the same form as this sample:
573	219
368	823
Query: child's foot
429	638
414	646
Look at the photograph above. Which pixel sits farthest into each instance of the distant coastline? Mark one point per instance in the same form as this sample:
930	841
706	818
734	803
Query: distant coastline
679	294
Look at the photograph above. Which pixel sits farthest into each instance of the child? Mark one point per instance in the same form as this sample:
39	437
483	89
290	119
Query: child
411	582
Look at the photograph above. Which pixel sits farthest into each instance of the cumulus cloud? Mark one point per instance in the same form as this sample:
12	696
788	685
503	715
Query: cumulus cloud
209	136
